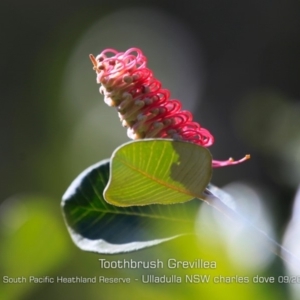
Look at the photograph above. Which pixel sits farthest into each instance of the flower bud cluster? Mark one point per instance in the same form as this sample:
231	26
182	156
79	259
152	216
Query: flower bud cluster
144	107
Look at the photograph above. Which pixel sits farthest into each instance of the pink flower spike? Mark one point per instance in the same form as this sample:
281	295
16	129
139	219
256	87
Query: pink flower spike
143	106
229	162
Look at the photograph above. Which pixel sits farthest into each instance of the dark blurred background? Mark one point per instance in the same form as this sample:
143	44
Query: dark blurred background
235	64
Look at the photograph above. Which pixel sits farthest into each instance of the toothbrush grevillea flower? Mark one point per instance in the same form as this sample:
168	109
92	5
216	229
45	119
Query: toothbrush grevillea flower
144	107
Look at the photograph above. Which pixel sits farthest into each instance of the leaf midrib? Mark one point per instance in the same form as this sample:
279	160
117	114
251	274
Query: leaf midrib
163	183
134	214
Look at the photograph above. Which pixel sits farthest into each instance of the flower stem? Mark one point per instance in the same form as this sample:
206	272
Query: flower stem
216	202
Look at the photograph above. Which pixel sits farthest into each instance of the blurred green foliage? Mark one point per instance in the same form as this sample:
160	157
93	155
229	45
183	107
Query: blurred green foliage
33	241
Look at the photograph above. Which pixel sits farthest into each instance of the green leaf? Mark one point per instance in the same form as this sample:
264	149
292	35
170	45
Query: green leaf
97	226
158	171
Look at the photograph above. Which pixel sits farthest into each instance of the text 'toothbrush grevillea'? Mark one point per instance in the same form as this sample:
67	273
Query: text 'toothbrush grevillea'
144	107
